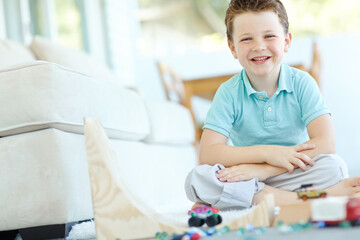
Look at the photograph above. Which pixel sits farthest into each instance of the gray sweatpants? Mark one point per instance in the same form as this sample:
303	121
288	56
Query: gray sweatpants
201	184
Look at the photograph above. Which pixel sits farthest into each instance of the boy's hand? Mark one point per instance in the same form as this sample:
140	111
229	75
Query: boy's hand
288	157
243	172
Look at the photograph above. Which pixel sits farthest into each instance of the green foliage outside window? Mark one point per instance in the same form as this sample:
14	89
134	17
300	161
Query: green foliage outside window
306	17
69	23
67	20
323	17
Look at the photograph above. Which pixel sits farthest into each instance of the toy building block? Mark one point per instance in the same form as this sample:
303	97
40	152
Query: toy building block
294	213
262	215
334	210
118	213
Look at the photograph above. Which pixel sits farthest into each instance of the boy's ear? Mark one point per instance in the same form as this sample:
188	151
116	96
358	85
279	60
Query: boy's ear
232	49
288	38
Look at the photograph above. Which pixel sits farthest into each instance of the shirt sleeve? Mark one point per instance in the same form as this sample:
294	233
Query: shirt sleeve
220	117
311	101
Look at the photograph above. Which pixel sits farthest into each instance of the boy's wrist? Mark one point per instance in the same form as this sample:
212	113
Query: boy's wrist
272	171
275	171
267	172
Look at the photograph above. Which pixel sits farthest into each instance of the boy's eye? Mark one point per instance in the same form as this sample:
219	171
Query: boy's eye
245	39
269	36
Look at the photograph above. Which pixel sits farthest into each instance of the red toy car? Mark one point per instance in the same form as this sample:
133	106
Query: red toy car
204	214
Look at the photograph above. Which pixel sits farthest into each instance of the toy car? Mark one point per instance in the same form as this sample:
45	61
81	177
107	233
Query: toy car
204	214
304	193
335	210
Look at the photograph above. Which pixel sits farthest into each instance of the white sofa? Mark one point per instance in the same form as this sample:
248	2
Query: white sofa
44	181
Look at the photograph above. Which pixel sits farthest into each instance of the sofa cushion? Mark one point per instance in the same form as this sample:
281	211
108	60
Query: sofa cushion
13	53
42	95
71	58
169	123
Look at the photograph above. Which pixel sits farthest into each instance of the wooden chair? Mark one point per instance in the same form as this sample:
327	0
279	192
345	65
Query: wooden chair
173	84
315	68
175	91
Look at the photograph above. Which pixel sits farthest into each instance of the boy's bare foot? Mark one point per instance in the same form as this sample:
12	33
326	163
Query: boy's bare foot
347	187
281	197
198	204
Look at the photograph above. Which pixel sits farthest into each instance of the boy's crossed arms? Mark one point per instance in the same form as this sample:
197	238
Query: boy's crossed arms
264	161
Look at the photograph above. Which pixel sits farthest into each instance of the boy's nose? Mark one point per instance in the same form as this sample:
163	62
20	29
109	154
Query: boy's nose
259	46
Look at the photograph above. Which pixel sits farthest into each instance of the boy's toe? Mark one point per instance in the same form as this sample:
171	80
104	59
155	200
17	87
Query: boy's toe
356	181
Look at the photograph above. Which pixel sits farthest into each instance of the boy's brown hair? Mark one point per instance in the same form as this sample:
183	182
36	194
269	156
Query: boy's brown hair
237	7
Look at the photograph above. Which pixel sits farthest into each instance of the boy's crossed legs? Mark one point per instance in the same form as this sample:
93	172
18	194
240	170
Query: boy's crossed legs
346	187
329	172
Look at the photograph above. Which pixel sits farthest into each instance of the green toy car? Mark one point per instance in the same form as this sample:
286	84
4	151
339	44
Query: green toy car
305	193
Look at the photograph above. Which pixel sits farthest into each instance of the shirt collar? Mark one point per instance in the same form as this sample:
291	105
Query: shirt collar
284	79
249	89
283	84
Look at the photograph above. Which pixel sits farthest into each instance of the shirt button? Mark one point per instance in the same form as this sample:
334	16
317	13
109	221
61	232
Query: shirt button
269	109
261	97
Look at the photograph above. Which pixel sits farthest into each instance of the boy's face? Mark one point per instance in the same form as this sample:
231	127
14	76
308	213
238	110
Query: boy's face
259	43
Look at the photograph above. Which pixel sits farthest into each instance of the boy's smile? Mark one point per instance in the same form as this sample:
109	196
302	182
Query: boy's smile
260	60
259	43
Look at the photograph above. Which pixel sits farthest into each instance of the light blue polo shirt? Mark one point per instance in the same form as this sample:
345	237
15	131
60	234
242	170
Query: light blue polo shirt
252	118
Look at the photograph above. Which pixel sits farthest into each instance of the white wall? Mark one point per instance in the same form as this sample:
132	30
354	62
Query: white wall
341	85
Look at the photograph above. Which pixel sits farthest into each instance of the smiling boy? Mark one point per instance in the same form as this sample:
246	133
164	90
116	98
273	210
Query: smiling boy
275	116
